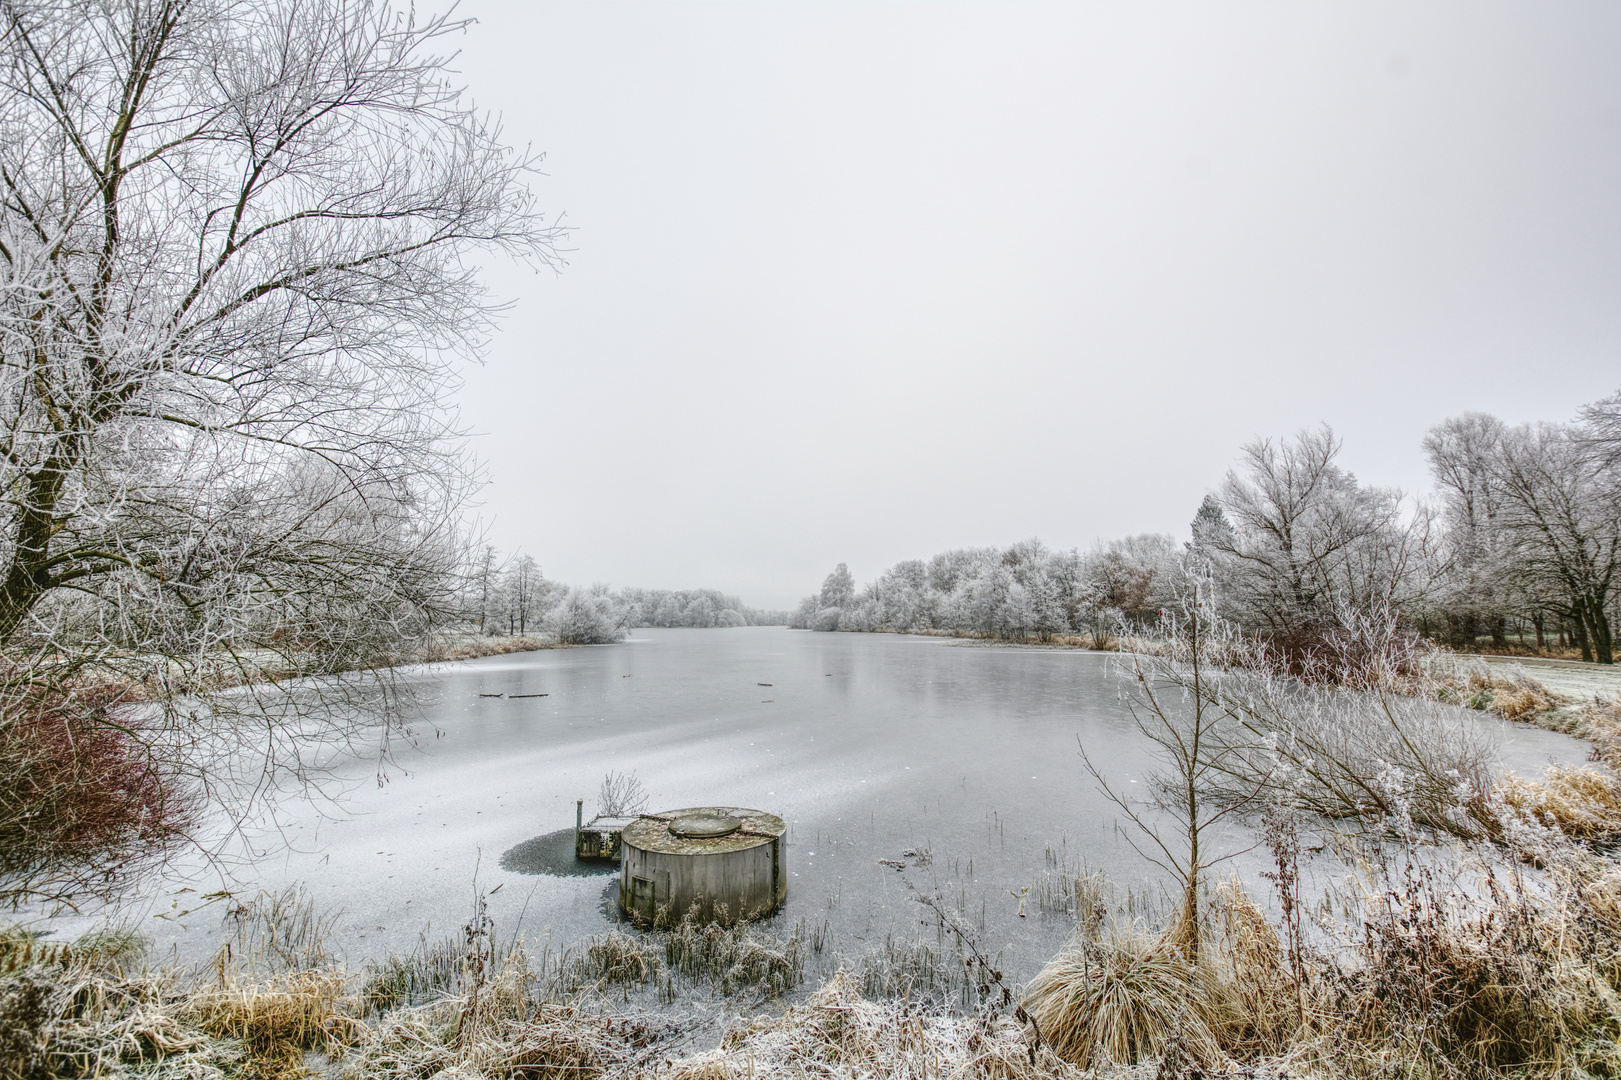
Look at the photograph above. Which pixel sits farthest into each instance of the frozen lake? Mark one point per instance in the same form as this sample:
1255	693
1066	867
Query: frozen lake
869	745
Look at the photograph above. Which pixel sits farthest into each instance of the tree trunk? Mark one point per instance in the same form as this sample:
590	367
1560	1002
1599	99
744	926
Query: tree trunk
1598	630
1578	629
29	575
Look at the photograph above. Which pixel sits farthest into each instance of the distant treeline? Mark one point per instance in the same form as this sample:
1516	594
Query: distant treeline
695	607
1025	591
511	596
1518	547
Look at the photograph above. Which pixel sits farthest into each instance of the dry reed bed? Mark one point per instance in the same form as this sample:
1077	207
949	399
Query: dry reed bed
1515	977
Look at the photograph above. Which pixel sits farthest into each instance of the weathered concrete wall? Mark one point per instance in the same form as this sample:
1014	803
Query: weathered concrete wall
722	886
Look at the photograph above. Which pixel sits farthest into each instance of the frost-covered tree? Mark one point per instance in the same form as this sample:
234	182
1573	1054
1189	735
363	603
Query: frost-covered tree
1483	582
588	617
832	607
1132	579
483	586
1308	544
1601	430
839	588
693	608
1533	516
236	238
1210	528
1562	514
528	595
1020	592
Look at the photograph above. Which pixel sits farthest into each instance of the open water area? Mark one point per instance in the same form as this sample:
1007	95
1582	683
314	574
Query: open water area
870	746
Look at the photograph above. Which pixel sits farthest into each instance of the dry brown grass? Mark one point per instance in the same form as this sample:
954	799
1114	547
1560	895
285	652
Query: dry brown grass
839	1032
1582	803
474	646
1490	972
1481	980
1502	979
276	1018
1599	722
736	960
1117	995
1513	695
1122	999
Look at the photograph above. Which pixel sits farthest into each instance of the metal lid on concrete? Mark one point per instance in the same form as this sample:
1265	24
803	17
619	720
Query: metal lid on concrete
705	825
704	830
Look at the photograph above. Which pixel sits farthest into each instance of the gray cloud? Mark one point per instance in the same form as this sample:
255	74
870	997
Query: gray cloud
863	282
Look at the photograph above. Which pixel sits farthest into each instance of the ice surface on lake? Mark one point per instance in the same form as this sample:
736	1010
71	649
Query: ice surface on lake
872	746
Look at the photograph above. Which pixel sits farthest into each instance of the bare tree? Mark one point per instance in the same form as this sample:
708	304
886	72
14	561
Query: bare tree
1485	578
234	235
1300	540
1480	572
1235	733
235	238
1132	579
529	591
1601	429
486	568
621	795
1562	514
1176	700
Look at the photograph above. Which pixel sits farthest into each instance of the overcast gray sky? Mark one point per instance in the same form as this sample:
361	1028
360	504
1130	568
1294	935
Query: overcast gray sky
862	282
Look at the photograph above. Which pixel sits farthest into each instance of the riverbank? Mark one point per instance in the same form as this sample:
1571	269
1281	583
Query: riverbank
1515	982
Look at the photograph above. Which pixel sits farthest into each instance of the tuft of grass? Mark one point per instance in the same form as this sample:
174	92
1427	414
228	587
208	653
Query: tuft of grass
615	959
277	1018
839	1032
1513	696
735	958
112	947
21	948
497	1031
429	971
1502	982
1122	997
284	931
907	971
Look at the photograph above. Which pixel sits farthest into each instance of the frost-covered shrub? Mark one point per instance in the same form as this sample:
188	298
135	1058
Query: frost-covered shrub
588	618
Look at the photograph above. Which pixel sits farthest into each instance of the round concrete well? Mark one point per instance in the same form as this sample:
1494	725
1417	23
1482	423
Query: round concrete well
720	863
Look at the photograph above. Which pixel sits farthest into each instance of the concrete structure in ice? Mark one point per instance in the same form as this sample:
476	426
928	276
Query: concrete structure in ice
598	838
722	863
